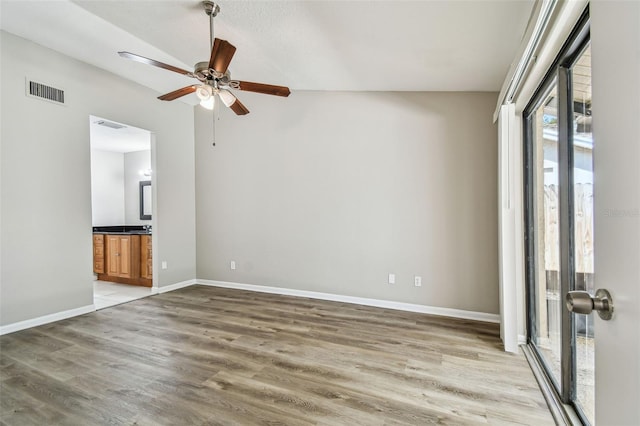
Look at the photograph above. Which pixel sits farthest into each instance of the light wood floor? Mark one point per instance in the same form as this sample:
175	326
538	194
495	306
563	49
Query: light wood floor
205	355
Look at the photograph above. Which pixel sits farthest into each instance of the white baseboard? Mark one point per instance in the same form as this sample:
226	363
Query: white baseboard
410	307
522	339
176	286
46	319
34	322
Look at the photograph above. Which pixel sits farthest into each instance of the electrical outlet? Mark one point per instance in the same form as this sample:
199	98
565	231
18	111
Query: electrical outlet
233	265
417	281
164	264
392	278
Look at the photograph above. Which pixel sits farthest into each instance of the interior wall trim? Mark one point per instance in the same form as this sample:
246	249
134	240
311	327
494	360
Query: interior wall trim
409	307
176	286
46	319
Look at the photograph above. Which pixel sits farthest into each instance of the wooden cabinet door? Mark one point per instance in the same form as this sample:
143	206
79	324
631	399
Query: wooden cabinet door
98	254
146	262
113	255
125	256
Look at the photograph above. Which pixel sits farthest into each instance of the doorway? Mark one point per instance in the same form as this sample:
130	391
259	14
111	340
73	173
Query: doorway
559	222
122	212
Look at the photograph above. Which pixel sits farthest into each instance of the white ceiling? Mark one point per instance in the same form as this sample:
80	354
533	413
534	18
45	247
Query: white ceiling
126	139
396	45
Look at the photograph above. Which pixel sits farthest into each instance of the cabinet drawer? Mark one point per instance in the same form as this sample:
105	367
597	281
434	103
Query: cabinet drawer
98	251
98	238
98	266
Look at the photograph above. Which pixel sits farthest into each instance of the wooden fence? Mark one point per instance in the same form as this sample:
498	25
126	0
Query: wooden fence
583	204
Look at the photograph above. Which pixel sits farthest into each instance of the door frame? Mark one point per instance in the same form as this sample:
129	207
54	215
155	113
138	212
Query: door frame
155	265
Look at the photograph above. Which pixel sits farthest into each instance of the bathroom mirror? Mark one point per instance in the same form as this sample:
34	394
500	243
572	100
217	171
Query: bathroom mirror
145	200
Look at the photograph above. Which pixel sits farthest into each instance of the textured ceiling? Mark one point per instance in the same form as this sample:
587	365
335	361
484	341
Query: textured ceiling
306	45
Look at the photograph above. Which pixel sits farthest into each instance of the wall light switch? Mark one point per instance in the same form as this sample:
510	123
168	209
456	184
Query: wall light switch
233	265
392	278
164	264
417	281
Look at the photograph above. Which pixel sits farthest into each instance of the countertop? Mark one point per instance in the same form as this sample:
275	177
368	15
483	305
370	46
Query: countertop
122	230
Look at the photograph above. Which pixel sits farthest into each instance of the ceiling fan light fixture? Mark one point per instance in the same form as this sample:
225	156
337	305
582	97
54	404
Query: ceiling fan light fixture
208	103
204	92
226	97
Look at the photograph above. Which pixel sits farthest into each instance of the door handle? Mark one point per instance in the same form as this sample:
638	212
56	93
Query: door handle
581	302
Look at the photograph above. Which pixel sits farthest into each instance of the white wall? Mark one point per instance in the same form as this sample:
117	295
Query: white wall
330	192
133	163
107	188
46	201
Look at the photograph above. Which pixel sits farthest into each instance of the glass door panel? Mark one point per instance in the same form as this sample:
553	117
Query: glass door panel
548	304
583	228
559	206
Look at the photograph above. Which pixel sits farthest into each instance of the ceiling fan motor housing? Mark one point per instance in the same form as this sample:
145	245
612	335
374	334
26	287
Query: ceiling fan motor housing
204	73
211	8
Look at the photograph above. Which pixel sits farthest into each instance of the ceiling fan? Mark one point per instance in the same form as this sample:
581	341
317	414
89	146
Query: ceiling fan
213	75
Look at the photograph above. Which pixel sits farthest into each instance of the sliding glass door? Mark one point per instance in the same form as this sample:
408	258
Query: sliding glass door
582	181
547	307
559	193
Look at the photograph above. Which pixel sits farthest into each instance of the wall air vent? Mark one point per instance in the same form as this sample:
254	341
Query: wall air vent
110	124
42	91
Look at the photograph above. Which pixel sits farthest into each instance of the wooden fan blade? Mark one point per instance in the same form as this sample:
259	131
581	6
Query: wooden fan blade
238	108
267	89
221	55
155	63
178	93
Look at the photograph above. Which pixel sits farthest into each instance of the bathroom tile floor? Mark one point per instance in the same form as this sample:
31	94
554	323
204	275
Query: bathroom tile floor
107	294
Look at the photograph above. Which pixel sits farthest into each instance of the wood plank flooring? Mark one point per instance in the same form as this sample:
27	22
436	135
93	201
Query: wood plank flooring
213	356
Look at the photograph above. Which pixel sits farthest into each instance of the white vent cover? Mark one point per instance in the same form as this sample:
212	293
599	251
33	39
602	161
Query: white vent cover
43	91
110	124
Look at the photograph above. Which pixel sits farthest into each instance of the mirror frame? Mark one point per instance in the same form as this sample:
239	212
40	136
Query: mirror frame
143	216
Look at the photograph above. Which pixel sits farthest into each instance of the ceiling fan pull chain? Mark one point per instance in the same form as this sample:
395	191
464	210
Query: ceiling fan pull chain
216	112
213	127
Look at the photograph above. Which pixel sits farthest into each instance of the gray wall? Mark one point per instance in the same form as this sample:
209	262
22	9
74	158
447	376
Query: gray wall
107	188
115	190
46	252
330	192
133	163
